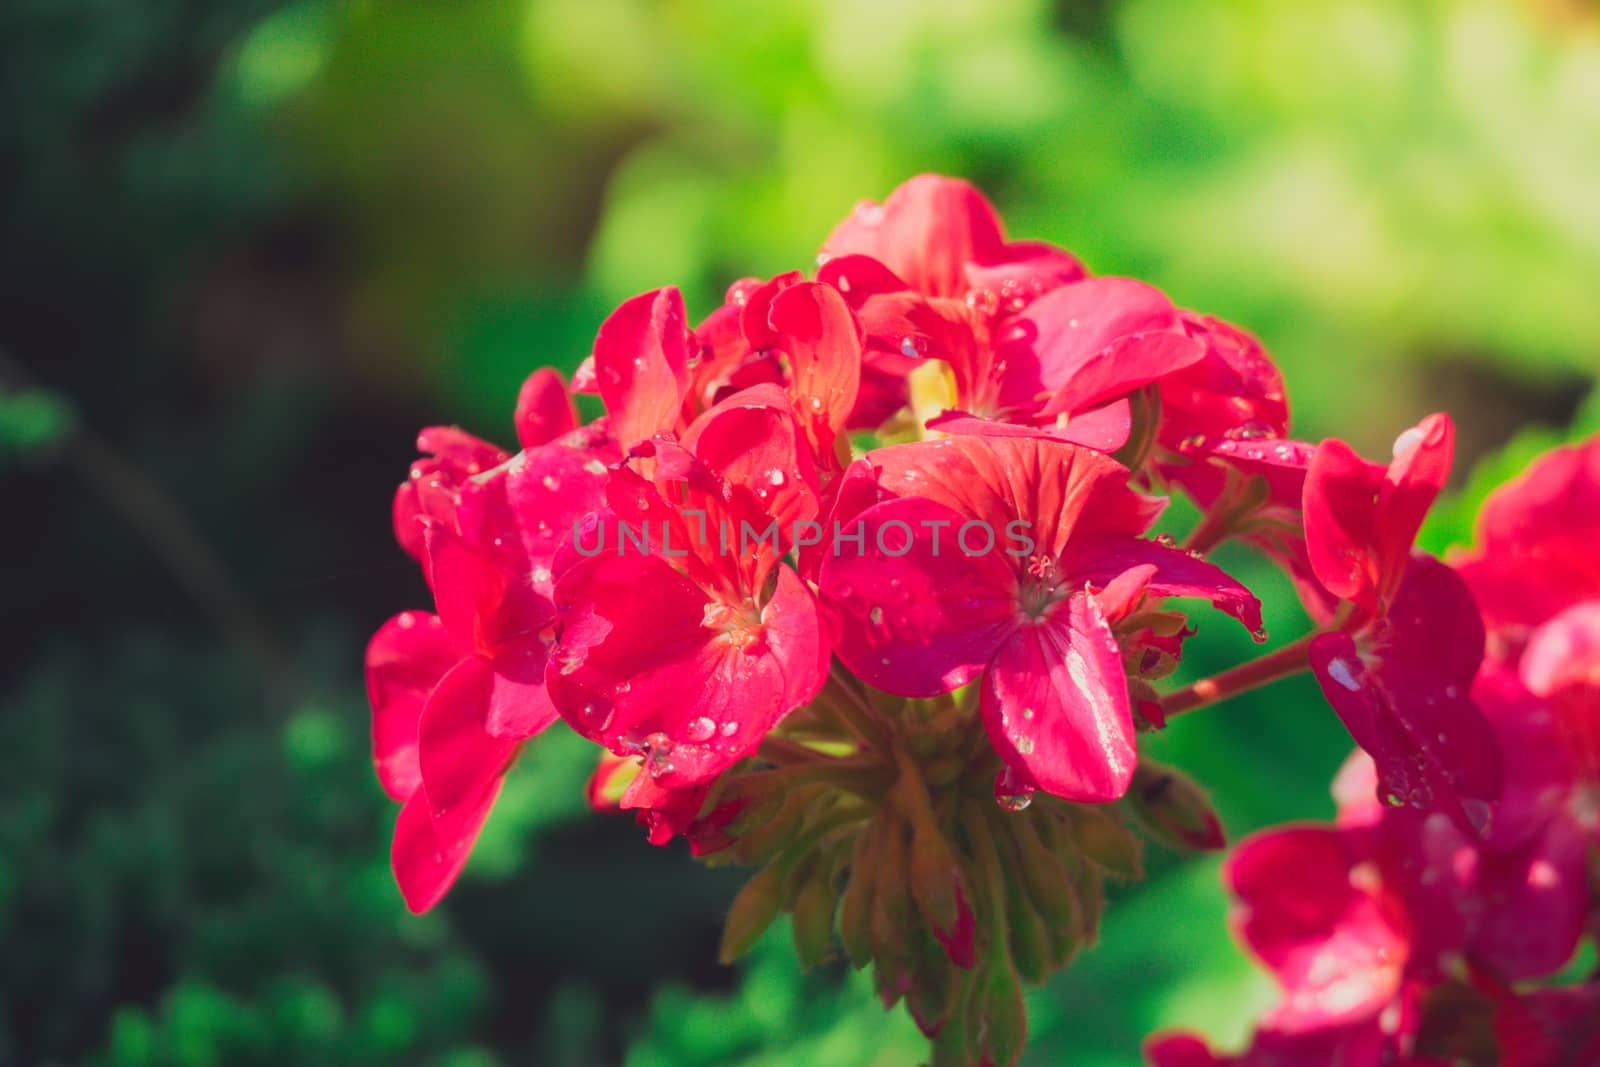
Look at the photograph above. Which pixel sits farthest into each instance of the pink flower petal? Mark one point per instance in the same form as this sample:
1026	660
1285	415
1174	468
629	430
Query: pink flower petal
641	358
1069	332
425	865
461	762
823	342
648	664
544	409
1055	705
926	232
923	621
1319	924
405	660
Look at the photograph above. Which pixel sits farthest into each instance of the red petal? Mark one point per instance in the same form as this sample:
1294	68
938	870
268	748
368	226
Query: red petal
431	490
1103	429
1058	490
752	442
461	763
544	410
1422	457
1335	948
857	277
405	660
1070	330
1538	901
1410	709
923	622
1021	272
1236	385
1099	561
522	513
644	665
425	866
823	342
1055	705
925	232
641	358
1340	504
1536	538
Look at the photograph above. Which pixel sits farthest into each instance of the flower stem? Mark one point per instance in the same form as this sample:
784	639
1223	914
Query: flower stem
862	717
1290	659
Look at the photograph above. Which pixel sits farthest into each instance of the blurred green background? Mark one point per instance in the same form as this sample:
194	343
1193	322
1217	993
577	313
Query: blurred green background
249	247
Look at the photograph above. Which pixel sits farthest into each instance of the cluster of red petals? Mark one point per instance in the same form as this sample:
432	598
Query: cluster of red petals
1365	922
978	433
1007	377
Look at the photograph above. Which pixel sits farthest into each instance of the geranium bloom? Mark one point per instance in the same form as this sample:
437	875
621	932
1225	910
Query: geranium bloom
1399	669
1018	333
1535	545
1040	555
454	694
690	650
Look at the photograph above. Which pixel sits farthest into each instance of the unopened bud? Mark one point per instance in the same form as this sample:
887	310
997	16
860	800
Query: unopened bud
753	910
1004	1019
813	909
936	885
1044	874
856	904
1106	841
1173	809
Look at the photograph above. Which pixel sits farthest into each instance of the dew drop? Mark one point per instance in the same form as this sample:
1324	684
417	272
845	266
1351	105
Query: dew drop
775	476
595	467
876	616
1343	673
701	729
1013	801
729	729
913	347
1253	430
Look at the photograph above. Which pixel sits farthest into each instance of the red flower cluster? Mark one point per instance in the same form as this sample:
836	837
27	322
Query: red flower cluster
851	545
1401	936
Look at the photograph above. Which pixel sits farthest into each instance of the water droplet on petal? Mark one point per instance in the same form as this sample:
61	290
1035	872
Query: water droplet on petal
876	616
775	476
701	729
913	347
1344	673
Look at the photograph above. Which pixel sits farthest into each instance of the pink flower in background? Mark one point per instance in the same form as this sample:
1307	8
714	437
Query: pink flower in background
1399	668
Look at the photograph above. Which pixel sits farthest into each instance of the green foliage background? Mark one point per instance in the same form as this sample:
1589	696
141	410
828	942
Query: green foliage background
251	246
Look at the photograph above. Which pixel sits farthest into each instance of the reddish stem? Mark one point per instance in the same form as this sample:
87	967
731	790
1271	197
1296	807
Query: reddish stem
1290	659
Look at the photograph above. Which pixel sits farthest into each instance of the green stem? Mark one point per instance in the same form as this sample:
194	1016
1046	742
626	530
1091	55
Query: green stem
861	716
1290	659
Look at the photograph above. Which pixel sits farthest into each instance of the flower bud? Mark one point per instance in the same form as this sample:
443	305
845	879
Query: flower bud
1173	809
1106	841
935	987
753	910
1044	875
813	910
856	904
936	885
1004	1018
